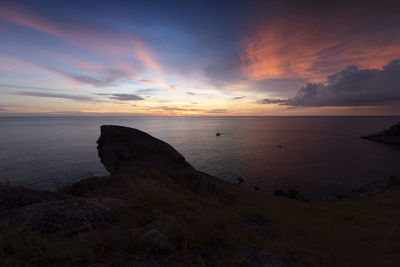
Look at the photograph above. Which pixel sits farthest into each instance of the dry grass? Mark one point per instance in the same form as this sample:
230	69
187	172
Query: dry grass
348	232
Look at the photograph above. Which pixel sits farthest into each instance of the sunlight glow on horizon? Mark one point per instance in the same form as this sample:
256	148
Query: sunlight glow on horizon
60	62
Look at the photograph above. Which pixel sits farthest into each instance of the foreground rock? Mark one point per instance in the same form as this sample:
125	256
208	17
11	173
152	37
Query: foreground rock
154	241
389	136
125	150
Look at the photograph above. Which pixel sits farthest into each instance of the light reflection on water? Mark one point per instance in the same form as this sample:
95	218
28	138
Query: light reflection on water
318	155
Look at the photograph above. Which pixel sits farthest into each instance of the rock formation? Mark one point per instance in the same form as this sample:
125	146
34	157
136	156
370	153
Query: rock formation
389	136
125	150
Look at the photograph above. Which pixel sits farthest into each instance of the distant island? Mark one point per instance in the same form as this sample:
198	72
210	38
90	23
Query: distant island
389	136
155	209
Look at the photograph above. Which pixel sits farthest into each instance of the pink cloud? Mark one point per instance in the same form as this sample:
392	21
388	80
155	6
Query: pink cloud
301	46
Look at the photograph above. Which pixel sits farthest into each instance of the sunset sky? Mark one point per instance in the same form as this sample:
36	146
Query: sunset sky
199	57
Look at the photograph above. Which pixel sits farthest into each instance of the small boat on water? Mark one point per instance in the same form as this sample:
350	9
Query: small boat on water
218	134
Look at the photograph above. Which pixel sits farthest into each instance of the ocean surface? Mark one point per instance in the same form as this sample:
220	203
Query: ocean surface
317	156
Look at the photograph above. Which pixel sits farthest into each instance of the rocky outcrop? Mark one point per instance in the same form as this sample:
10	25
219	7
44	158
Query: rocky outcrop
125	150
389	136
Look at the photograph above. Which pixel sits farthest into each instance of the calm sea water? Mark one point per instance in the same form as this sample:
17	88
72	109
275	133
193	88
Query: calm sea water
319	156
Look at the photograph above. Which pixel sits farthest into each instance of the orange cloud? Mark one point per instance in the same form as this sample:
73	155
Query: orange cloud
160	83
310	47
78	33
26	18
144	54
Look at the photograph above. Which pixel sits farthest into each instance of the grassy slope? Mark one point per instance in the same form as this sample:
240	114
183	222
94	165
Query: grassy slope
352	232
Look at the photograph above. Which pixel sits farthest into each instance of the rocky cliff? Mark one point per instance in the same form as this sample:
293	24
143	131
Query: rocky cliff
389	136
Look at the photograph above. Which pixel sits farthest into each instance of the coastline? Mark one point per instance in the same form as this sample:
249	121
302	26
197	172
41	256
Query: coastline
161	216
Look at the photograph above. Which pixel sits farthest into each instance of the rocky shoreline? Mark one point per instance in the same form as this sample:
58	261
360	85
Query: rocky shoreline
134	207
100	204
373	188
389	136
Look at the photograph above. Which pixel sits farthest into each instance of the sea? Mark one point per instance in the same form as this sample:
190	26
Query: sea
317	156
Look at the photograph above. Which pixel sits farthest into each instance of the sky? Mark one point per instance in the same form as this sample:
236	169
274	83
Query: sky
199	58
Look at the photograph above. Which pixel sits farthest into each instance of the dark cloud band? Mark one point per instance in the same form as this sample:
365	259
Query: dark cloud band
349	87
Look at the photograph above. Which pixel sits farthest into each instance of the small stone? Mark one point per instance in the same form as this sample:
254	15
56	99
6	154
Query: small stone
155	241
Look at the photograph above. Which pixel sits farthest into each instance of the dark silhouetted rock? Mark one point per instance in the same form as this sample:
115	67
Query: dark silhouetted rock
155	241
389	136
124	150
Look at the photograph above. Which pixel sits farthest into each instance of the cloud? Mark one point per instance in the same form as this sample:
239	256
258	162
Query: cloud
145	55
55	95
238	97
122	97
350	87
275	87
146	91
125	97
309	39
74	31
272	101
160	83
7	86
179	109
106	78
217	110
194	94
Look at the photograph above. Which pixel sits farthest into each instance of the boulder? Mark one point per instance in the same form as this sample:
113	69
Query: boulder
154	241
125	150
389	136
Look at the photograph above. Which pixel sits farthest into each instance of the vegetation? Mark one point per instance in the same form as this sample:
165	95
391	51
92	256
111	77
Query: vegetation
209	228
